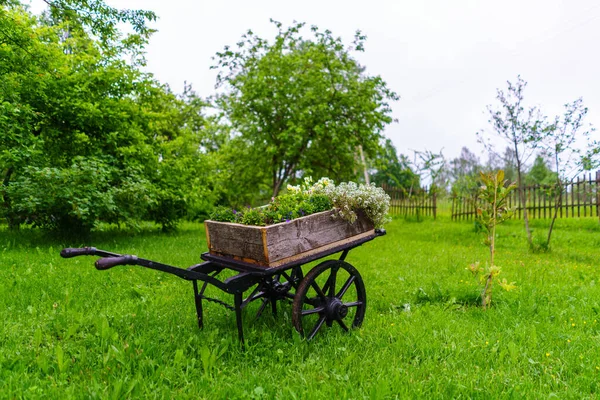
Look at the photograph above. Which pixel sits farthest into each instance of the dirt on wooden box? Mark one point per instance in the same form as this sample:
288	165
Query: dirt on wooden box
274	245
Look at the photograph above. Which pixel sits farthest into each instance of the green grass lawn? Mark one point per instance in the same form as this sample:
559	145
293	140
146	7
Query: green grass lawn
69	330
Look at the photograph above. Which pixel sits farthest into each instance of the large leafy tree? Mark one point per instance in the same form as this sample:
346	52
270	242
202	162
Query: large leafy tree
86	135
390	169
101	19
300	105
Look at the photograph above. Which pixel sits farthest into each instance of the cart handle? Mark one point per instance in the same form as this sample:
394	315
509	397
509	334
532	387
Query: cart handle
74	252
109	262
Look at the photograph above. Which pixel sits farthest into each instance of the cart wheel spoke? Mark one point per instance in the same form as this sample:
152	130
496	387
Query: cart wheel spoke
254	292
277	287
290	295
291	280
317	304
346	286
311	301
318	290
284	280
331	281
262	307
312	311
342	324
353	304
256	296
317	327
253	297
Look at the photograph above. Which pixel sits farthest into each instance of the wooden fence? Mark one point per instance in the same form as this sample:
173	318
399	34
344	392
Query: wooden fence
580	198
421	202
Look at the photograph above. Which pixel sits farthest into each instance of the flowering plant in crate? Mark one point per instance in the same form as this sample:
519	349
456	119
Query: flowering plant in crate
346	199
306	218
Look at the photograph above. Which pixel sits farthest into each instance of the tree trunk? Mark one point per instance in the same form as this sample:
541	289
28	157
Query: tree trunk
557	205
523	202
364	164
276	187
486	298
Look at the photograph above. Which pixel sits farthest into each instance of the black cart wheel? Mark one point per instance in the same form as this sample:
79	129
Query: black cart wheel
332	292
281	286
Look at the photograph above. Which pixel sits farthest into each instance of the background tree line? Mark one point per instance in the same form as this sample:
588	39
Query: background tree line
87	136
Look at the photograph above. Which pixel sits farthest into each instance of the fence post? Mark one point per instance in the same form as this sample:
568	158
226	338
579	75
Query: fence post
545	198
519	197
598	195
434	205
578	198
584	197
591	189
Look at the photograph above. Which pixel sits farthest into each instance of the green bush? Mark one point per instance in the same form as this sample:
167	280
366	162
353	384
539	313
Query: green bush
75	199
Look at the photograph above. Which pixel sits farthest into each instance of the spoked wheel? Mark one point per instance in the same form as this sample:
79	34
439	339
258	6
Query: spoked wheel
280	286
333	292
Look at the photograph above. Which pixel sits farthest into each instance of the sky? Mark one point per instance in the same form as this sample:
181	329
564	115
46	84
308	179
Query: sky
444	58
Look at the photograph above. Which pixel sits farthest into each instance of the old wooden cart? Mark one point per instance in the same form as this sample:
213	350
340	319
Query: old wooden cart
331	293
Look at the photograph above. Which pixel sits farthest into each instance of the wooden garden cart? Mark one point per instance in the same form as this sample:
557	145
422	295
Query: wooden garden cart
330	293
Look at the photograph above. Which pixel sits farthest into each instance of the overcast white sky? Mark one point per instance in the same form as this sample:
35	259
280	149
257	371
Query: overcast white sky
444	58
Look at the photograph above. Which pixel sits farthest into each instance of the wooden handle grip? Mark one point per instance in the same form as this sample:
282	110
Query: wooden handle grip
109	262
74	252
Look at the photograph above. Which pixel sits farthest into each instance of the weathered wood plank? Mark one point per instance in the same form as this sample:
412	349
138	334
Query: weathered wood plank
322	248
236	240
304	234
272	245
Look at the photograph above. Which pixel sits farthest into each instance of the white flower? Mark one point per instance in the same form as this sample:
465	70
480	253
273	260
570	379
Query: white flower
293	189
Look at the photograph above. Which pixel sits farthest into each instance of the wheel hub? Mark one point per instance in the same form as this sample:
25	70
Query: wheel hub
336	309
280	288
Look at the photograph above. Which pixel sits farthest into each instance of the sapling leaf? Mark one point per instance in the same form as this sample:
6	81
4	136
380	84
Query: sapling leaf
491	211
507	286
500	176
475	268
495	270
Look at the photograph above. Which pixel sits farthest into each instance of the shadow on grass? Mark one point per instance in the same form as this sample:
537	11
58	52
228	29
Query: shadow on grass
104	234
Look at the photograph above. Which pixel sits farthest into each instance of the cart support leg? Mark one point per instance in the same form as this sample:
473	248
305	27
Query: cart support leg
344	254
198	300
273	306
238	316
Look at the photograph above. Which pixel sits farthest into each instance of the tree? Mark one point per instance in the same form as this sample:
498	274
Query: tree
390	170
102	20
431	167
465	164
464	172
300	105
518	127
505	161
89	136
560	140
540	173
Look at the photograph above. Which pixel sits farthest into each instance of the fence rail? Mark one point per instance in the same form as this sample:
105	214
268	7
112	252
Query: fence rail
579	198
421	202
